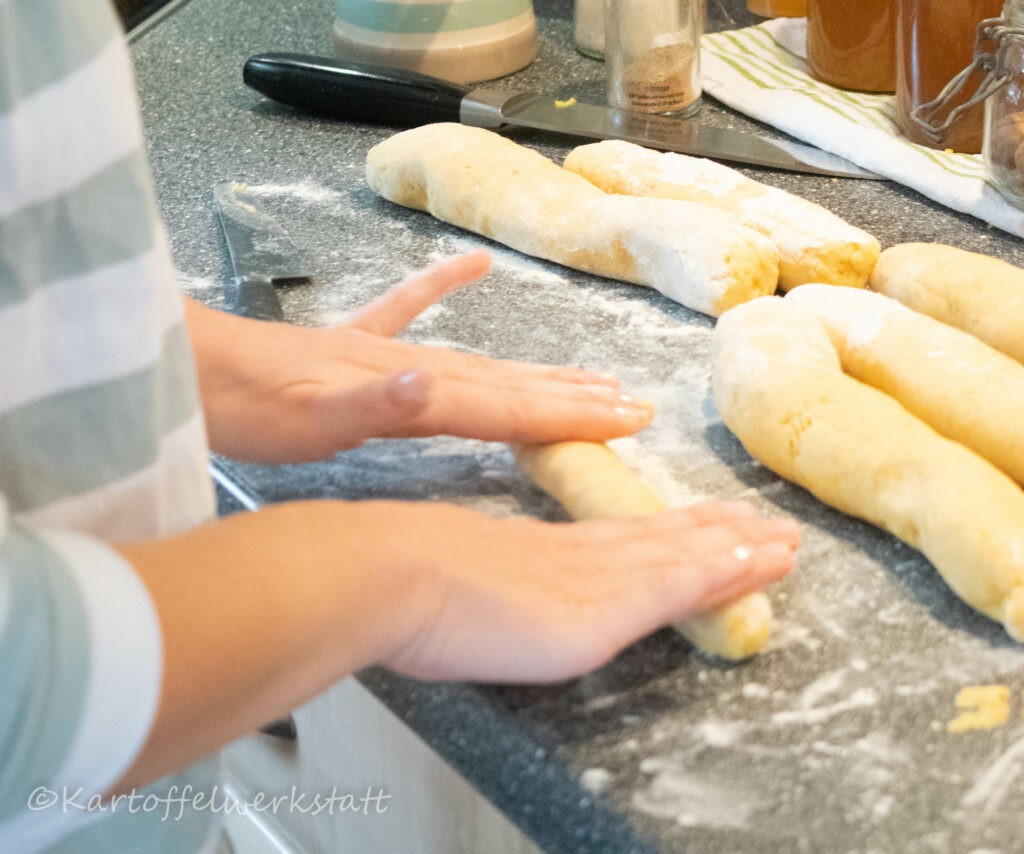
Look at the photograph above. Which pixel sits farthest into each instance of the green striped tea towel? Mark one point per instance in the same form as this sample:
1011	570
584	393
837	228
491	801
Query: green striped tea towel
761	71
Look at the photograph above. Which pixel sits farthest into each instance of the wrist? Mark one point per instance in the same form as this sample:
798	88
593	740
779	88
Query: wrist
346	572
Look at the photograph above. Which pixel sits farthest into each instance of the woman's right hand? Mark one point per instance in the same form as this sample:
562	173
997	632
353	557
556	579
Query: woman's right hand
519	600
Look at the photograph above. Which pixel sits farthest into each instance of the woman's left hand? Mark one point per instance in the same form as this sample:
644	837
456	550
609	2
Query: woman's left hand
273	392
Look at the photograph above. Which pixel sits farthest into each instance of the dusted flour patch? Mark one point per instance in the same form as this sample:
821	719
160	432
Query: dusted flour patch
303	191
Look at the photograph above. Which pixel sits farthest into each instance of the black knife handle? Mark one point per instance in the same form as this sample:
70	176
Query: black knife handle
356	91
253	297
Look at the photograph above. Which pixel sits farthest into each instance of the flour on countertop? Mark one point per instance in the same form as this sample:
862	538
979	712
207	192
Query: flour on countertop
860	699
304	191
504	259
596	780
196	284
693	800
997	781
756	691
652	471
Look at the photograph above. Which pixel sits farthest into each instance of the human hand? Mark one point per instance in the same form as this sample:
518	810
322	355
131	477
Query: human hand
432	590
526	601
274	392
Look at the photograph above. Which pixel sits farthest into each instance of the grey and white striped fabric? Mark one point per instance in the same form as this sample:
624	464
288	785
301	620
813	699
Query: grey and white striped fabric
101	435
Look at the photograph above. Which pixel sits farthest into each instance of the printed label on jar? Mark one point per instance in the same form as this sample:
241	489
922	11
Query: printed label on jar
661	80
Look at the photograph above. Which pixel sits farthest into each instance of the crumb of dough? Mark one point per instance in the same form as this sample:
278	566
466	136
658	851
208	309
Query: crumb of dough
983	707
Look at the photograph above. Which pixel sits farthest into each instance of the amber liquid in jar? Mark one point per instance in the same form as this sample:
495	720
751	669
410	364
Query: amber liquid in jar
778	8
852	43
934	43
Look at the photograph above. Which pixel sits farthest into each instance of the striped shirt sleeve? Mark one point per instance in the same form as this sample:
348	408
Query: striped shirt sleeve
80	665
101	433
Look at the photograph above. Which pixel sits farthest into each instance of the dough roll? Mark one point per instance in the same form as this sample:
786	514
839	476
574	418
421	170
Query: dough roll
591	482
697	255
961	387
814	244
779	387
976	293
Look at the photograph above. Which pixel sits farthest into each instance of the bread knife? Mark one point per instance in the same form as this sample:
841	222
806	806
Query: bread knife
262	254
358	91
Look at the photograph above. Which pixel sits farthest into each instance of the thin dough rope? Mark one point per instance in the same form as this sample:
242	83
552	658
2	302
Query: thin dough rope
592	482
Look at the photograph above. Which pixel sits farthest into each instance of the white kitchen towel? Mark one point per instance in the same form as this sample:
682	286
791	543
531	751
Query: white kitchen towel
761	71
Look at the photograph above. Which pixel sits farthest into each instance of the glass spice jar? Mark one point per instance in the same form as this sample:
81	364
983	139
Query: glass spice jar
588	27
934	43
778	8
852	45
1003	90
652	55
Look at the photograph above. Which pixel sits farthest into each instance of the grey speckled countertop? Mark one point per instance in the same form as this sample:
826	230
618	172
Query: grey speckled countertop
833	740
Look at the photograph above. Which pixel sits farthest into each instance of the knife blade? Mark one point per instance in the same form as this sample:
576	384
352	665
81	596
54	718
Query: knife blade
359	91
262	254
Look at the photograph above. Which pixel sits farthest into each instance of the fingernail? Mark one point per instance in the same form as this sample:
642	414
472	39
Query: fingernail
775	551
636	402
742	553
633	413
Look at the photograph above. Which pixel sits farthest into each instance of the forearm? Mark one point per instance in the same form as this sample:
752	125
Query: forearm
262	611
259	612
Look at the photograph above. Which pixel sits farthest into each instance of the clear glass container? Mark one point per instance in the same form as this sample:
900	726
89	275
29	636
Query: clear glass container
588	27
934	43
778	8
1004	103
652	54
852	43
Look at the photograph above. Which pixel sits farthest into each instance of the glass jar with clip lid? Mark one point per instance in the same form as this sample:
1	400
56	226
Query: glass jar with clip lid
999	57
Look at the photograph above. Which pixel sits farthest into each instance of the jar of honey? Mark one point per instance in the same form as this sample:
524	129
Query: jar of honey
934	43
778	8
852	45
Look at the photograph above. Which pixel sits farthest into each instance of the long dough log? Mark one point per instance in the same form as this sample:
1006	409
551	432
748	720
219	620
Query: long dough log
699	256
964	389
591	482
779	387
976	293
814	244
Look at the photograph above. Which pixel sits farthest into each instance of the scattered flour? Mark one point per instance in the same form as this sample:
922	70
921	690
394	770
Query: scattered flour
304	191
693	800
596	780
197	284
862	698
996	782
755	691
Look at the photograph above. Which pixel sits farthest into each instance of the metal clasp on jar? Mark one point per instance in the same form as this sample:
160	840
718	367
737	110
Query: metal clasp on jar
988	43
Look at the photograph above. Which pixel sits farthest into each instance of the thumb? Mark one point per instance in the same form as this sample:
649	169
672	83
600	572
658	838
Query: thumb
378	409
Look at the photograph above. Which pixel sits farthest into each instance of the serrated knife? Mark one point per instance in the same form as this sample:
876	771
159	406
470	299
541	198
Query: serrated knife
357	91
263	256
